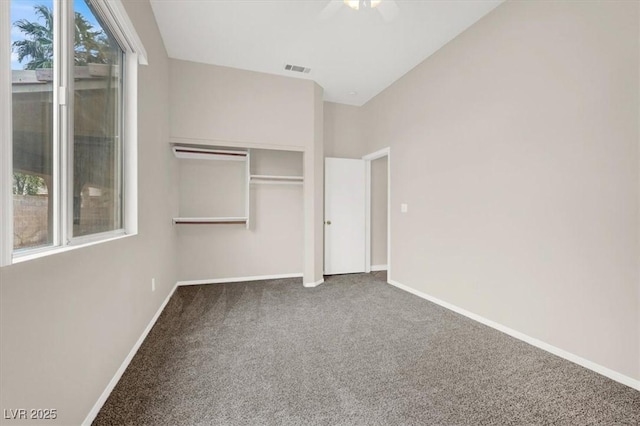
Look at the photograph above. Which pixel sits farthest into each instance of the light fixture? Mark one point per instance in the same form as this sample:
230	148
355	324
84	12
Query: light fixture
362	4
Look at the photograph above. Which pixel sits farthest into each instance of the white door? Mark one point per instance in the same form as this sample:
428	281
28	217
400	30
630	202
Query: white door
344	216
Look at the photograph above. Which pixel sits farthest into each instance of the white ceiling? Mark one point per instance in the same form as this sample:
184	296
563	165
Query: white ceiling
353	55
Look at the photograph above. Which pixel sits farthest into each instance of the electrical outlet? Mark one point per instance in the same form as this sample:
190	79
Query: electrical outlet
153	284
404	208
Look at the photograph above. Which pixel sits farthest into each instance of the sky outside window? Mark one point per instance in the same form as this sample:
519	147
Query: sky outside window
25	9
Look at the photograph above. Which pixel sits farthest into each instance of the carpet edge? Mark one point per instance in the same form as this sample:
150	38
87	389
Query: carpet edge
583	362
91	416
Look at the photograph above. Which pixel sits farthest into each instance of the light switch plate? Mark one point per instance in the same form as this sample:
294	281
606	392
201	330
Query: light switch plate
404	208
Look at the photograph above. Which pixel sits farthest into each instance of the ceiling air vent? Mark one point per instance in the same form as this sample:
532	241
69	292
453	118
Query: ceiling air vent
297	68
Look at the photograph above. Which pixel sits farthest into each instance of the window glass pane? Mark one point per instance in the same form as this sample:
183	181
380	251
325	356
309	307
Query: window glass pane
32	115
97	145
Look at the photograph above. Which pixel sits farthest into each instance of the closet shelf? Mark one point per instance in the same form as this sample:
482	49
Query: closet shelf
272	179
191	153
210	220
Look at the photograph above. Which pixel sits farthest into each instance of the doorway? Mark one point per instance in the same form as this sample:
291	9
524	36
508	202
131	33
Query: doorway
378	212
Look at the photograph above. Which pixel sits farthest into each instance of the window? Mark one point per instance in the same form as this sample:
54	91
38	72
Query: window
97	122
32	63
68	169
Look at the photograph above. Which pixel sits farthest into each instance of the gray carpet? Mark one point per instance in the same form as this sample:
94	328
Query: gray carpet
354	351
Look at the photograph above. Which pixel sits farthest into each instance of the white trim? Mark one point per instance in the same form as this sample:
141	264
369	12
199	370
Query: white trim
607	372
367	216
377	154
123	367
62	173
32	254
114	381
385	152
191	153
115	15
638	181
276	182
205	220
63	122
6	138
315	284
238	279
376	268
271	177
247	190
234	144
130	146
92	238
389	213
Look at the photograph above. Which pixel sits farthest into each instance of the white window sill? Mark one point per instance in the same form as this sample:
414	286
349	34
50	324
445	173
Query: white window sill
56	250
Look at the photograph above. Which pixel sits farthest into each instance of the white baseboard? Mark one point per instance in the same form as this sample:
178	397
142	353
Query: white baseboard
114	381
316	284
239	279
607	372
376	268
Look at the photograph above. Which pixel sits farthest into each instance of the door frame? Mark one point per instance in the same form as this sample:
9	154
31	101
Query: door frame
385	152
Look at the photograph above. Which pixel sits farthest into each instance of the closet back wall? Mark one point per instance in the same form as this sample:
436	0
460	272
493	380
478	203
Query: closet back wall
272	245
229	107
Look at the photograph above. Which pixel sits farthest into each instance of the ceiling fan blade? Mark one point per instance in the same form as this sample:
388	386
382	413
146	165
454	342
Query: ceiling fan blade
331	9
388	9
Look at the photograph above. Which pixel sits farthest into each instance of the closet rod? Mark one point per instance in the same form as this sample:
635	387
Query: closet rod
196	151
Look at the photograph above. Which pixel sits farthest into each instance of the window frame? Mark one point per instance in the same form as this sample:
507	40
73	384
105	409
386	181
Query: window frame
114	16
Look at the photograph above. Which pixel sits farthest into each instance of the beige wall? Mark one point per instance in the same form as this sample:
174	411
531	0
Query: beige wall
516	149
379	211
314	266
313	171
211	188
343	131
231	107
213	103
272	245
69	320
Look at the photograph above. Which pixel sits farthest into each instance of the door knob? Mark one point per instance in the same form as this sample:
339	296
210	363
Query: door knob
327	222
